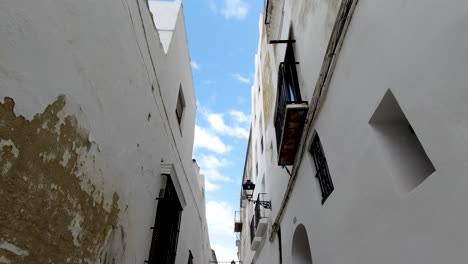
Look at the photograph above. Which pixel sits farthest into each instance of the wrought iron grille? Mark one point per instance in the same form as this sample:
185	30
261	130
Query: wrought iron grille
322	174
166	228
259	213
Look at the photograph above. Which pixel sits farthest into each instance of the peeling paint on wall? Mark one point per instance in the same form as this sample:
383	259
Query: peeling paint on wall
51	211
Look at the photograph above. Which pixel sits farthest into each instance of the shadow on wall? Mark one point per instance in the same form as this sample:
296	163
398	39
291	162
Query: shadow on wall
300	247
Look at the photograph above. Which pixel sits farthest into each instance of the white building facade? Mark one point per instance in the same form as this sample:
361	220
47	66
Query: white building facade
97	116
360	133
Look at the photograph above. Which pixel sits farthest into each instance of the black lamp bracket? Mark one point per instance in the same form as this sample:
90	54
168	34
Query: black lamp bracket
265	204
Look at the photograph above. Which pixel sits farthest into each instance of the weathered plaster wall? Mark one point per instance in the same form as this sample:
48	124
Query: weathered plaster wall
90	95
49	207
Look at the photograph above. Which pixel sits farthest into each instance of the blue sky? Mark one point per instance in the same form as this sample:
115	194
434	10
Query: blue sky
223	37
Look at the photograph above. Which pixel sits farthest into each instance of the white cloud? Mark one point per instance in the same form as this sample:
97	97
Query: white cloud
235	9
217	123
211	187
195	65
240	117
241	78
220	218
208	140
211	167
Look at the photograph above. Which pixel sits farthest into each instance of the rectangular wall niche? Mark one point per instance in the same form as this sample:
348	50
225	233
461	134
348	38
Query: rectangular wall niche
402	150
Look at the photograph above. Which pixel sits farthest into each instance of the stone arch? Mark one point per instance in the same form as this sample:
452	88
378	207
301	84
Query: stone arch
300	246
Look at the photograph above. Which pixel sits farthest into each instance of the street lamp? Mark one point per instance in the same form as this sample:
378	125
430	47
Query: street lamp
249	188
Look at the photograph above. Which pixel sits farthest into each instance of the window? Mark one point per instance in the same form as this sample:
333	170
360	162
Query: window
256	169
322	173
261	134
180	105
166	228
288	90
401	149
190	258
263	184
261	143
290	75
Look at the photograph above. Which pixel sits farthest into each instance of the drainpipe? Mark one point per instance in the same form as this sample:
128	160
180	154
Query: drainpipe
328	66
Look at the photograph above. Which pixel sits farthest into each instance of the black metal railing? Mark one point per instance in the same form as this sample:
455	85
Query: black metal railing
252	228
259	213
289	93
321	167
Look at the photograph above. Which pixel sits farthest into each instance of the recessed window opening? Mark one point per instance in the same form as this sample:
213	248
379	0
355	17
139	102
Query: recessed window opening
261	143
166	228
263	183
401	148
256	169
190	259
180	105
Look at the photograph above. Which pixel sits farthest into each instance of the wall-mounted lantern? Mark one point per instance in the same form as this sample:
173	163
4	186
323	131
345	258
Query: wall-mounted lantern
249	188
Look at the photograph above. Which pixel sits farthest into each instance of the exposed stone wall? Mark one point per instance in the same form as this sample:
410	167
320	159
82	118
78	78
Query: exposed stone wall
52	210
267	88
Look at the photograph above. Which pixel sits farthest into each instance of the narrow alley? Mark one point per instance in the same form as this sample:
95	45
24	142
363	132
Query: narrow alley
233	131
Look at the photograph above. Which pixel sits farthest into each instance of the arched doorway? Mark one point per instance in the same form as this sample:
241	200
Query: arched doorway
300	247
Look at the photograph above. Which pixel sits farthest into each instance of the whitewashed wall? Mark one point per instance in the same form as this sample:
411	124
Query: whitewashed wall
111	89
417	50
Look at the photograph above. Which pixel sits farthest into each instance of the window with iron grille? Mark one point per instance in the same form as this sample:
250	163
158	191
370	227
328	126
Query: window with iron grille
261	143
261	134
321	167
166	228
180	105
256	169
190	258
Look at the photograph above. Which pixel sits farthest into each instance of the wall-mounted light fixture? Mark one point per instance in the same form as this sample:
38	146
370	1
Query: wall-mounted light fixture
249	188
